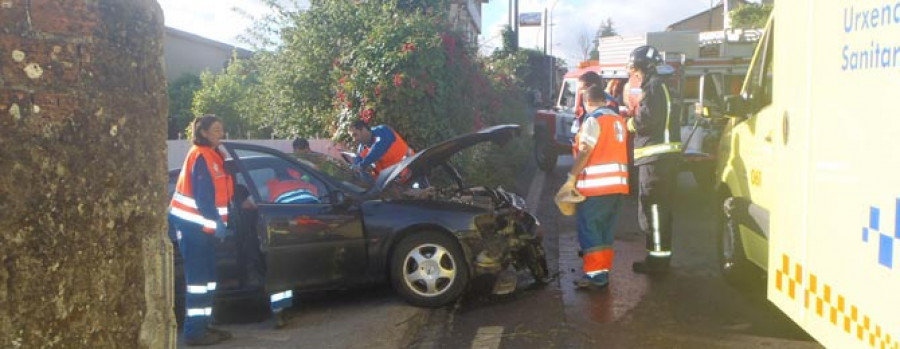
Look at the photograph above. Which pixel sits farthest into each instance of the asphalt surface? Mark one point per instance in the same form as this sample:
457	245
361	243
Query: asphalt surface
692	307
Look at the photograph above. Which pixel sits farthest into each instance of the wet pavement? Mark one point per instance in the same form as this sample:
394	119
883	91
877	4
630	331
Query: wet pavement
691	307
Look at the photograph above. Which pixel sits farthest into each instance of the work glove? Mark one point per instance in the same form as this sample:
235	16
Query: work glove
568	196
221	232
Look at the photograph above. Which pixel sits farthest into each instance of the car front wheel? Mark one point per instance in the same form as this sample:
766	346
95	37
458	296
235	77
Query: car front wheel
428	269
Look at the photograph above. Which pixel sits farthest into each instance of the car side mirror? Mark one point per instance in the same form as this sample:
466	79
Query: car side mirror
736	106
709	96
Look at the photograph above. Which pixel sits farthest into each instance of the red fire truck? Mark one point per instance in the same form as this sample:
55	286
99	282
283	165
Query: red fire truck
553	131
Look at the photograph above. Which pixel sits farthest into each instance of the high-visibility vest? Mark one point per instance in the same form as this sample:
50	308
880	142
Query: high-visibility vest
607	168
280	187
183	205
396	153
668	143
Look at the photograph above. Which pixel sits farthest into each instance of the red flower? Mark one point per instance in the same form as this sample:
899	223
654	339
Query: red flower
398	80
378	91
408	47
367	115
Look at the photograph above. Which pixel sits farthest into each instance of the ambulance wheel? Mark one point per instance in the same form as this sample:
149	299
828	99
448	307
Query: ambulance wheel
732	260
429	269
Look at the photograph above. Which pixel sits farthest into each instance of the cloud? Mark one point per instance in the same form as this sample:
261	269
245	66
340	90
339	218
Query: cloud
215	19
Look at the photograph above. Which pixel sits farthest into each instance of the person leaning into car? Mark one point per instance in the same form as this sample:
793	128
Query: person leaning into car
600	174
199	210
380	146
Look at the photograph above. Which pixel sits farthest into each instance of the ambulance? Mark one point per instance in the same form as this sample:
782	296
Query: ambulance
808	175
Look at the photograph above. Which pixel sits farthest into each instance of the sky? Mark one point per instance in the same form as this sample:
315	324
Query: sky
217	20
572	18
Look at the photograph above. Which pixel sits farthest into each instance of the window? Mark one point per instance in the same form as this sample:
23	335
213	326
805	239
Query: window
760	84
567	99
280	181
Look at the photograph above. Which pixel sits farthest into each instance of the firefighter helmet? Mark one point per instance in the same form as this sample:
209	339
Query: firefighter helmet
644	58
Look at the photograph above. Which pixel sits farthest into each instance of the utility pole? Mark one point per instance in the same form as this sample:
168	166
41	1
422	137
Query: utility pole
550	58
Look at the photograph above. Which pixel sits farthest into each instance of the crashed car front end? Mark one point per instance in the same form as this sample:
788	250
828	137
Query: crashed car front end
501	235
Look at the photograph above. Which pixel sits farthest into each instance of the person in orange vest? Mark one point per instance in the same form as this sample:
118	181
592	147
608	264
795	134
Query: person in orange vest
199	210
380	146
600	174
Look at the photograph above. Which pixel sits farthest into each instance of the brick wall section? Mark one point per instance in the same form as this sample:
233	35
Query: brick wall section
83	257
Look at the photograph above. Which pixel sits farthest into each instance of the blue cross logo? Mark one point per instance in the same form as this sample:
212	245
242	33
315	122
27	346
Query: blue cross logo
885	242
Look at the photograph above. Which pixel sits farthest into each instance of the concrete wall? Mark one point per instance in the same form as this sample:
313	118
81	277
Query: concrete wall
84	257
177	149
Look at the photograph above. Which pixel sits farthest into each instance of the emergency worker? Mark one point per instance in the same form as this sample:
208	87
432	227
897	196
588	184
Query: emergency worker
657	156
301	146
600	174
380	146
199	210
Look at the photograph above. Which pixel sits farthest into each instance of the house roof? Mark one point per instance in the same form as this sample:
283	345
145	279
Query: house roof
208	42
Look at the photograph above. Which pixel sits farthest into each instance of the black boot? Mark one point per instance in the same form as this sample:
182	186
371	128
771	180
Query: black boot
651	265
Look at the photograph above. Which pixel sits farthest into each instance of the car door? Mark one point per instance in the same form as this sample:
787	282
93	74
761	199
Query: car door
308	238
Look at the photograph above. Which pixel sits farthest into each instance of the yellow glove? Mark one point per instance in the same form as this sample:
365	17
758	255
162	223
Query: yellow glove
568	196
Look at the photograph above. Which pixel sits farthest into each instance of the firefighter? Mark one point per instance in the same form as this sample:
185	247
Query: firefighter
600	174
657	155
199	210
380	146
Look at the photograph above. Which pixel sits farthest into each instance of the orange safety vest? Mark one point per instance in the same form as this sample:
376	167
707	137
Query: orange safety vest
607	168
396	153
183	205
278	187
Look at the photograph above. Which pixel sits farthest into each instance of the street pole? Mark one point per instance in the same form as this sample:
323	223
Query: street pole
550	58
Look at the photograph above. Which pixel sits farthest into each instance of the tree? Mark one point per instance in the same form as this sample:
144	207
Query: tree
585	44
181	98
606	29
321	68
510	40
232	96
750	16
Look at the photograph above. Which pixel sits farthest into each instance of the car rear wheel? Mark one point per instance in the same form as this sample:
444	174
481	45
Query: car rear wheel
428	269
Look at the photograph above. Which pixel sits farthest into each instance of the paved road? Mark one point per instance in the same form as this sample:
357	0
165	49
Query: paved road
690	308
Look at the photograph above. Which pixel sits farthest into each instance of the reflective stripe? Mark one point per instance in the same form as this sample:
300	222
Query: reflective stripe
660	253
199	311
211	286
656	239
606	168
657	149
602	182
281	296
598	272
189	202
193	217
196	289
668	113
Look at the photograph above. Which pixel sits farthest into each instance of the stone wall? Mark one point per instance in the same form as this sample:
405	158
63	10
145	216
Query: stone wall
83	256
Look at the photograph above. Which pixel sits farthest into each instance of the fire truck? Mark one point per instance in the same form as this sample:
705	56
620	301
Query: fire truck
553	131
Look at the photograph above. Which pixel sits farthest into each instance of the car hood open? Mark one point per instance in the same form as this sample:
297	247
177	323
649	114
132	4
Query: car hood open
423	161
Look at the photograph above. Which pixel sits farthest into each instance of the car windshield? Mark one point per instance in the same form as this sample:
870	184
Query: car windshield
336	169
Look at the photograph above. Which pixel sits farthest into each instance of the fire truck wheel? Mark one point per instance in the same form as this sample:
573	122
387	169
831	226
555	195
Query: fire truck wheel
544	155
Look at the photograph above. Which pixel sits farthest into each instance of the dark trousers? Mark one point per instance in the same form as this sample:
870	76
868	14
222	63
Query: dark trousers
658	181
199	254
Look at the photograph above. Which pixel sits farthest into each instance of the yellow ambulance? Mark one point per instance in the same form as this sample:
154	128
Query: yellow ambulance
809	169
